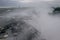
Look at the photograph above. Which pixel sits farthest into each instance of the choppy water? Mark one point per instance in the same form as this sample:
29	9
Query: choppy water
48	25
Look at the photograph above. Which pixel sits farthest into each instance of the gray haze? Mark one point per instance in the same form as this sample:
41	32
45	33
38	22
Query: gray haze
48	25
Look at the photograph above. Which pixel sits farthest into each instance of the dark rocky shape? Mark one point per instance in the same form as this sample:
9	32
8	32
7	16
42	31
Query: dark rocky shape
5	28
56	10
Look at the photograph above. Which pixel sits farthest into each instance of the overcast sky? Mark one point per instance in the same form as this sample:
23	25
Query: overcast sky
20	2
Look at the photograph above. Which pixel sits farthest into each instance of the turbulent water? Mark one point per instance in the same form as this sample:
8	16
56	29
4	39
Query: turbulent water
40	16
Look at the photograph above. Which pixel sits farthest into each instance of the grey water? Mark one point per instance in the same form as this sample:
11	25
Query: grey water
40	16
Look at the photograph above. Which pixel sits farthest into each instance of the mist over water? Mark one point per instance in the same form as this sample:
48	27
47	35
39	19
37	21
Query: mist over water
48	25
